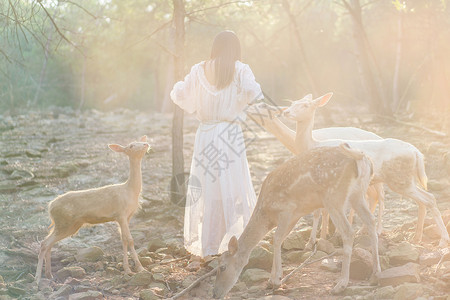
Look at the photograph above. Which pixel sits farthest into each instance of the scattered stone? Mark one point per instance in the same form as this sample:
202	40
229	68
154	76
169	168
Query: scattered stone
361	264
384	262
399	275
155	243
239	287
145	261
91	254
32	153
260	258
44	283
295	256
161	269
429	259
142	252
253	276
432	232
158	277
188	280
148	294
112	271
436	147
386	292
325	246
409	291
294	241
358	290
16	291
362	241
193	266
331	264
317	255
65	170
141	279
274	297
89	295
64	290
336	240
437	185
402	254
73	271
21	174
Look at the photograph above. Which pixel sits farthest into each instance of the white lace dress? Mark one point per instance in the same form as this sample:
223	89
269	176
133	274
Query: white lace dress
220	197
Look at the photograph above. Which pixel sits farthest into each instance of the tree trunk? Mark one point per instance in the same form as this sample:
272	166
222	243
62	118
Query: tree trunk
302	53
167	105
83	84
43	70
177	122
398	57
371	80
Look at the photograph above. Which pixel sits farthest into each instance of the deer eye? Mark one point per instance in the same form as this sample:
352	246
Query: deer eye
222	268
131	146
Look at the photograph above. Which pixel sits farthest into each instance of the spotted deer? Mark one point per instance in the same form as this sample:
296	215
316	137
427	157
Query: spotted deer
330	177
267	116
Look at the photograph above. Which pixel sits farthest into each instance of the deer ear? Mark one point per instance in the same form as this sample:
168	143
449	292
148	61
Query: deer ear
323	100
116	147
143	138
233	245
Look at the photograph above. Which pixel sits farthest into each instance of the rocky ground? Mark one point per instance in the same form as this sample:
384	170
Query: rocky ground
44	154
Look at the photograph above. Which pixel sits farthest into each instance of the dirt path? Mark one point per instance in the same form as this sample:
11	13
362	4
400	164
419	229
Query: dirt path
44	154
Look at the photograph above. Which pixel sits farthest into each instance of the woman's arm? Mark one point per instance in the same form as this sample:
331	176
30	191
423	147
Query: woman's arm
184	92
250	90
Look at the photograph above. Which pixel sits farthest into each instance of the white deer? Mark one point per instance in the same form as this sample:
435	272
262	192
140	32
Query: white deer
398	164
330	177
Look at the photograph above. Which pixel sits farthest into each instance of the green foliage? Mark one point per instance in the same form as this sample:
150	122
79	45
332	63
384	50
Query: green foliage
120	51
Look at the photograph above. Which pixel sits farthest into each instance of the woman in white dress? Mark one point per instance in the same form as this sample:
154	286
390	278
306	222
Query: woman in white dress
220	196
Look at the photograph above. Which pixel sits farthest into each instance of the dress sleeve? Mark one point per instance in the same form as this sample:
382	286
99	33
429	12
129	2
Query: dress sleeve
250	91
184	93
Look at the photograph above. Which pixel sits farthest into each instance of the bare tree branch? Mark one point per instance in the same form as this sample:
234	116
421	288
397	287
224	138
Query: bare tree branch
59	31
216	6
83	9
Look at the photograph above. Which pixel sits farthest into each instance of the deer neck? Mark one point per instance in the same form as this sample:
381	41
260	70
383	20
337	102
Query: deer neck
256	229
283	133
134	182
303	137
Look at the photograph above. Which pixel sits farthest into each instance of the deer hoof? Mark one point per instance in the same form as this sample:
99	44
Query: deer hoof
443	243
274	283
417	239
373	279
140	269
339	287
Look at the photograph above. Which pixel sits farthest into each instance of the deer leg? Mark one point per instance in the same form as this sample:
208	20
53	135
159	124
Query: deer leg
325	221
312	237
422	212
129	238
46	247
351	216
426	200
345	229
124	237
380	196
360	205
285	224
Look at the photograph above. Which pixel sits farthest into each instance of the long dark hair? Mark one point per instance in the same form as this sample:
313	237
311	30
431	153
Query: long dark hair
226	50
